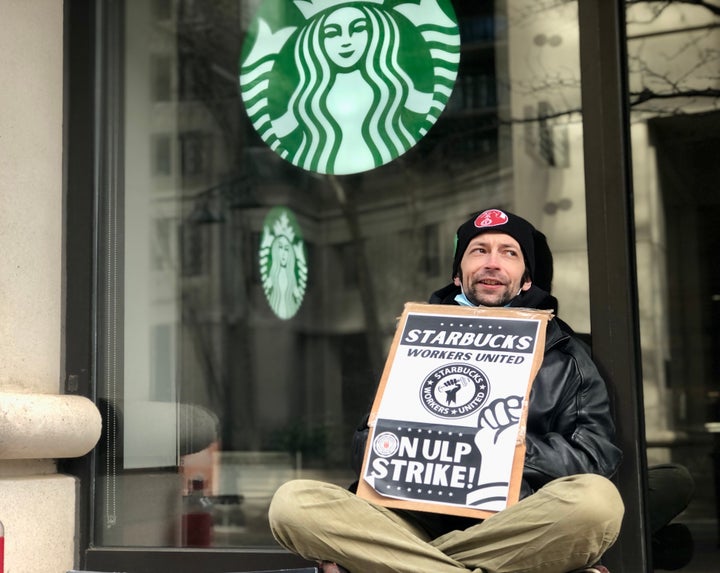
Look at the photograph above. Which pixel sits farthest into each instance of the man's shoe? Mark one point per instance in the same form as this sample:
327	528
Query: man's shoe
330	567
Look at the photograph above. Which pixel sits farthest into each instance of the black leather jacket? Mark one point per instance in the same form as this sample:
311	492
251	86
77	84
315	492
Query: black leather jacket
570	429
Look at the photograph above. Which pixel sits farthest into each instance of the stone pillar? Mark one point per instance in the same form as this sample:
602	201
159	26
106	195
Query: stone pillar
37	423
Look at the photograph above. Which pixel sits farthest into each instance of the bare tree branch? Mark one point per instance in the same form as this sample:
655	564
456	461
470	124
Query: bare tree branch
661	5
637	98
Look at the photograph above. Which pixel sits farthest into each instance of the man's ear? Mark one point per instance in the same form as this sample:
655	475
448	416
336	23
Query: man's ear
526	285
456	280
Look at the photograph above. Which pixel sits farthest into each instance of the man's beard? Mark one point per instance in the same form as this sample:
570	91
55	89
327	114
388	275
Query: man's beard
498	298
491	300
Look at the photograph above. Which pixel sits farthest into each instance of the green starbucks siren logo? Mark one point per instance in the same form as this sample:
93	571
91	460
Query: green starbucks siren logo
283	265
340	86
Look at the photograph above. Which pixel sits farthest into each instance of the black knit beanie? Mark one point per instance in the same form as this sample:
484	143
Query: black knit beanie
538	258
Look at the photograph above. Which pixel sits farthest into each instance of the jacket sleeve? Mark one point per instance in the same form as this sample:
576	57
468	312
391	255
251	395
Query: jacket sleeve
359	439
570	428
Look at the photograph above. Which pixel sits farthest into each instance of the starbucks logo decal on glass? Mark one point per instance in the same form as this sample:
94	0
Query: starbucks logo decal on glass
283	264
340	86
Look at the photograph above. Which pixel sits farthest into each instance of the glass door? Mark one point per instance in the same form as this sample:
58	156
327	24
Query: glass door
262	237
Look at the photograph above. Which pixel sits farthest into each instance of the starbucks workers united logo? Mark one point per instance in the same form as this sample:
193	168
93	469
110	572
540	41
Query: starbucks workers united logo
339	86
283	264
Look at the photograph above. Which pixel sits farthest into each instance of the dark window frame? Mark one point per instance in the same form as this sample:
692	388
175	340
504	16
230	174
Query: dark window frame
611	259
92	111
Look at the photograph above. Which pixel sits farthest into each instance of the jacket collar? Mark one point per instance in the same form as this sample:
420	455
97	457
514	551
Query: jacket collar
534	297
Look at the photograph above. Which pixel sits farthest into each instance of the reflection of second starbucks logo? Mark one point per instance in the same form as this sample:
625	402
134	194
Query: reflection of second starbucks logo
283	266
340	86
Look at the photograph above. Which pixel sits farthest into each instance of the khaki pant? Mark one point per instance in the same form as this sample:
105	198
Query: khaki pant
566	525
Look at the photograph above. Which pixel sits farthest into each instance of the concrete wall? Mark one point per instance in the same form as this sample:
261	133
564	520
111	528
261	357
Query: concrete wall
37	424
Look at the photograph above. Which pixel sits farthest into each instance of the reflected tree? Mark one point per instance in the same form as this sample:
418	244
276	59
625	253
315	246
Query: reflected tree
661	81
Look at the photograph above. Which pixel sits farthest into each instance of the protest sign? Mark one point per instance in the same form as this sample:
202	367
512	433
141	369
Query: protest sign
447	427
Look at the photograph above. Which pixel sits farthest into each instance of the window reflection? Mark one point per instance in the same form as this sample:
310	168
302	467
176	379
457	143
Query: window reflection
673	83
223	397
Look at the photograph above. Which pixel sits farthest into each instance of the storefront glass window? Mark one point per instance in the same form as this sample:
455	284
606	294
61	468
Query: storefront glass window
674	86
270	229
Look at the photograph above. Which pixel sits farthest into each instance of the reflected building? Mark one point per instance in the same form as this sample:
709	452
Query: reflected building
199	182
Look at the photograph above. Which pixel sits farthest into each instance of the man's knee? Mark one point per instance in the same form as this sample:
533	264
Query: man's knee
285	501
588	501
598	500
288	521
300	501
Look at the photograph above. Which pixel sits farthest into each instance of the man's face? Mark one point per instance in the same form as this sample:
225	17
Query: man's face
492	270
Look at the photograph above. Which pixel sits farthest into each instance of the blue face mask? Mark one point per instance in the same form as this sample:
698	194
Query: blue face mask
462	300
